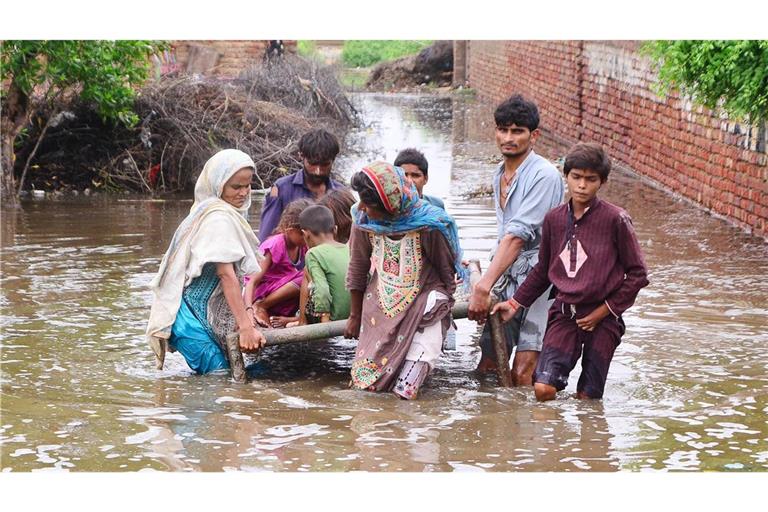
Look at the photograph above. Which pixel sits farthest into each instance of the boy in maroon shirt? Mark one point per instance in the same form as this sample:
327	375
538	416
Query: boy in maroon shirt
589	252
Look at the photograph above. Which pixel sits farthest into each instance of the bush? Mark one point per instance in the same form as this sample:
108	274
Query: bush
367	53
38	75
731	74
184	120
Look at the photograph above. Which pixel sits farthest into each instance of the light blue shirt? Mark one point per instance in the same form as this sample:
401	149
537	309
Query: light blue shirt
434	201
536	188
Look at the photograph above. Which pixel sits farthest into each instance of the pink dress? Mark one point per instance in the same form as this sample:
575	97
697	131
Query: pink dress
282	271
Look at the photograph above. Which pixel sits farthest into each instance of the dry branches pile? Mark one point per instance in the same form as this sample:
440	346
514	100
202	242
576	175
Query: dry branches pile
186	119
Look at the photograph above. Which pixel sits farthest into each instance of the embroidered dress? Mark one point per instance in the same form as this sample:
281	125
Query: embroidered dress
390	324
398	263
414	256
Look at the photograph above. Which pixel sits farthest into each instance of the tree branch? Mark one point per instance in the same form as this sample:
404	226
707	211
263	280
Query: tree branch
32	154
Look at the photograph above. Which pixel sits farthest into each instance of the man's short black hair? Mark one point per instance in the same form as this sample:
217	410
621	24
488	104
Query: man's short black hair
415	157
318	219
517	110
319	145
588	156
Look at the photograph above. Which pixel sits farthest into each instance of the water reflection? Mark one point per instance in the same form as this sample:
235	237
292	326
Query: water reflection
687	389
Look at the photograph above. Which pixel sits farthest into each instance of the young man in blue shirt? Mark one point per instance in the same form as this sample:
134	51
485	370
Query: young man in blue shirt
415	165
525	187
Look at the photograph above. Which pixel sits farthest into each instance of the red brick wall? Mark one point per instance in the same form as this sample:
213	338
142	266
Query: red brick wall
540	70
601	91
234	56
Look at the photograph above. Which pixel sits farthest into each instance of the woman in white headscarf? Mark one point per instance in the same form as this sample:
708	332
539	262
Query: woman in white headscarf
197	293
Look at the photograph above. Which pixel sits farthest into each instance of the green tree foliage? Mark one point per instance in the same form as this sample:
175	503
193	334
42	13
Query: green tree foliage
35	74
367	53
732	72
105	71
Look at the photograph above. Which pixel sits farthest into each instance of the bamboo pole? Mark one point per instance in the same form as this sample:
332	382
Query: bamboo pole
321	331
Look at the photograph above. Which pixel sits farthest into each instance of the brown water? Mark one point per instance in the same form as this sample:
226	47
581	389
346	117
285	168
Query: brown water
688	388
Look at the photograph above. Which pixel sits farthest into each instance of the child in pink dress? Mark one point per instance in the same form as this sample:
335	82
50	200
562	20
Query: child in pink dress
274	291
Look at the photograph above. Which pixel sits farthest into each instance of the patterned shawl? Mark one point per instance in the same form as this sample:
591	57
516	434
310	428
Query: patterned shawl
214	231
408	211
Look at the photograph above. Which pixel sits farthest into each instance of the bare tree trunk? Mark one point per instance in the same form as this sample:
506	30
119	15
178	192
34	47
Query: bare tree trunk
7	182
12	122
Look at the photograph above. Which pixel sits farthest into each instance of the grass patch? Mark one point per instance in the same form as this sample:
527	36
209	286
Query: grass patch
357	53
353	79
307	49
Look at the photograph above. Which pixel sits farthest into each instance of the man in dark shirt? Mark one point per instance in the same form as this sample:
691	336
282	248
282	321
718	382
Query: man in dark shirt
589	252
318	149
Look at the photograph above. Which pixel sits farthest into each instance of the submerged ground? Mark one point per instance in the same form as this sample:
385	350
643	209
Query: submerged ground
688	389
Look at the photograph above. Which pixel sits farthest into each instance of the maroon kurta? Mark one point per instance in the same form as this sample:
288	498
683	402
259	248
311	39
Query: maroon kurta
602	262
388	323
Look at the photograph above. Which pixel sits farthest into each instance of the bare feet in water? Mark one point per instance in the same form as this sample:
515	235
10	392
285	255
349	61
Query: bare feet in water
261	316
281	321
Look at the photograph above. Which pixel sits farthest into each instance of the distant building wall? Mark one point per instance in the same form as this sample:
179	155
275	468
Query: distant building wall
220	58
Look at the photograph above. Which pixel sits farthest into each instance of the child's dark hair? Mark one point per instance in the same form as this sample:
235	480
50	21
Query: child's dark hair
517	110
365	188
340	201
319	145
588	156
290	216
413	156
318	219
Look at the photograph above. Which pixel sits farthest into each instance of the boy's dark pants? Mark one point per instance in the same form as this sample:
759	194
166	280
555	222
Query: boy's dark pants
562	348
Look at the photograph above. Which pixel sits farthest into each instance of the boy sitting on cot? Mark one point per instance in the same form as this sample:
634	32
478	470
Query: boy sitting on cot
415	166
589	252
324	295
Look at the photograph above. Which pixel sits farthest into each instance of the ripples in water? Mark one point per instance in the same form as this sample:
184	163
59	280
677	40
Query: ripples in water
687	389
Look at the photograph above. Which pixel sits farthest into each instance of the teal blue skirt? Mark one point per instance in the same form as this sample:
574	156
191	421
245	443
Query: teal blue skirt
191	335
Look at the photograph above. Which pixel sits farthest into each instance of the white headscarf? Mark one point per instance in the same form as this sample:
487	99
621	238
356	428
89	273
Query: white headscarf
214	231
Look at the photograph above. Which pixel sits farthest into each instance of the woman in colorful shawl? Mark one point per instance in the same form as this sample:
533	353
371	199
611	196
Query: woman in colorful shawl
401	314
197	294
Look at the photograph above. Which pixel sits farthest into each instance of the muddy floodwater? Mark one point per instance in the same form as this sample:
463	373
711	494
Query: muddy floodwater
687	390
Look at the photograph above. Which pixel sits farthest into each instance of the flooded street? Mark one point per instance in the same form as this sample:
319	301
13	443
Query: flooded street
687	390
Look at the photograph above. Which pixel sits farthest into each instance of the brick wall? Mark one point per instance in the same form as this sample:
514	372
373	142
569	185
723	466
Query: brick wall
232	56
601	91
